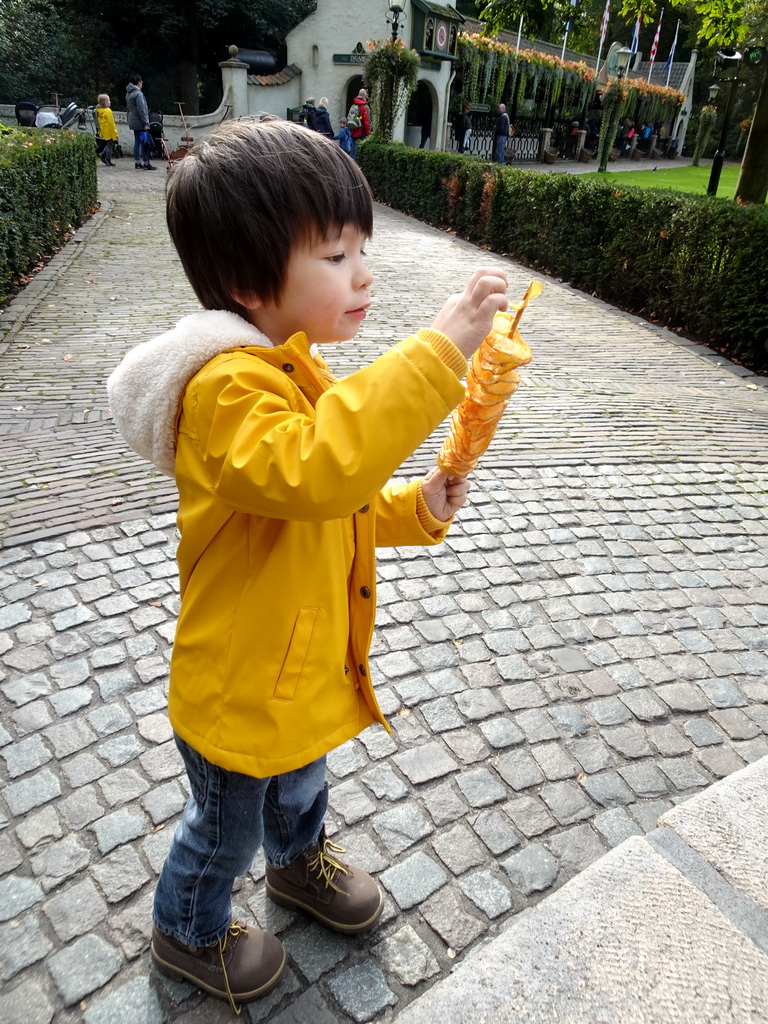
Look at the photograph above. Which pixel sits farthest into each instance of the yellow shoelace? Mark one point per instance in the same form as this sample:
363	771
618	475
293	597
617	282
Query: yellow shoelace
326	866
234	930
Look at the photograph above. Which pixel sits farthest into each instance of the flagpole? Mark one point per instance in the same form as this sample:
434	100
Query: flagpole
655	46
672	52
603	33
519	30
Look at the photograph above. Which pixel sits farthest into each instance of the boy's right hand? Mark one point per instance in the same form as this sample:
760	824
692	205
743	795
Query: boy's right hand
467	318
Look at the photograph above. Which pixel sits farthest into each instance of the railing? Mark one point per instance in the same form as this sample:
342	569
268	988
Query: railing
524	145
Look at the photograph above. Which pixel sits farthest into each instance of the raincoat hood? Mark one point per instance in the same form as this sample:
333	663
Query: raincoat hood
146	389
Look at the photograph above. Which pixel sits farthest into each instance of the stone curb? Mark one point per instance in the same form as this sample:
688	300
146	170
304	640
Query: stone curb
15	314
669	927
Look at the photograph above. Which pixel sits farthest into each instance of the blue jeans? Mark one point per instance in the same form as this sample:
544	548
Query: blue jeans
140	149
227	818
500	148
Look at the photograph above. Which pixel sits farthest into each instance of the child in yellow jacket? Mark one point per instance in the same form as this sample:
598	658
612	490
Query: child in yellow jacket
283	495
107	128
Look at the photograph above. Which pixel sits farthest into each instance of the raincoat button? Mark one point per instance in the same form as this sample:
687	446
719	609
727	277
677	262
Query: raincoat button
346	670
365	508
362	669
288	367
365	591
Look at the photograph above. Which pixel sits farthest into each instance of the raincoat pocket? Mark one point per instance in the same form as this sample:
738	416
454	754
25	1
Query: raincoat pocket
301	637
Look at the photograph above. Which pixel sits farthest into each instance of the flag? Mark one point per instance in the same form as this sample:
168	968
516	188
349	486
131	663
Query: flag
671	56
636	36
655	46
569	26
604	22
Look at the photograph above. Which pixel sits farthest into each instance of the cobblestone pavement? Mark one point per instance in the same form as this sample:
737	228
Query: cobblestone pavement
587	648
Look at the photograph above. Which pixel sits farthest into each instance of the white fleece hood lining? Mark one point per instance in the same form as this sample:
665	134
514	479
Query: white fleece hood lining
146	389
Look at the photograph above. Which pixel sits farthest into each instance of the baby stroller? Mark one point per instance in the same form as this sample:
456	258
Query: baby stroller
157	147
26	112
51	115
93	121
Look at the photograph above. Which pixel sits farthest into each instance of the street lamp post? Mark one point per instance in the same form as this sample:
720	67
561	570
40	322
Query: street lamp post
726	71
395	16
622	63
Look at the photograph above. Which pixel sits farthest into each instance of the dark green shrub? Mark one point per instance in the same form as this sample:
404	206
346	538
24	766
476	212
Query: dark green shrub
691	262
47	187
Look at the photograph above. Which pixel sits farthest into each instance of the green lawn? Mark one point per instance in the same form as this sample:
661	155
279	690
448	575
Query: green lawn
684	179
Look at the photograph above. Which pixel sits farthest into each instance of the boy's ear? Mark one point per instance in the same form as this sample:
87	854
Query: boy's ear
247	299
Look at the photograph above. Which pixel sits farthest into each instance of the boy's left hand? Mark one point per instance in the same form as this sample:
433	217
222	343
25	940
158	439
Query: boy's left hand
444	495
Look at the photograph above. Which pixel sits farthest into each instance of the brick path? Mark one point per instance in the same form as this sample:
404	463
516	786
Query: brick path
587	649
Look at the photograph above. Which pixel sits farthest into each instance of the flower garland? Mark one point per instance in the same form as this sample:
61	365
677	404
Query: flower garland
523	74
390	74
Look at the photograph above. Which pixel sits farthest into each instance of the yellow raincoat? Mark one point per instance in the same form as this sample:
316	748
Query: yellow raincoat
107	126
283	483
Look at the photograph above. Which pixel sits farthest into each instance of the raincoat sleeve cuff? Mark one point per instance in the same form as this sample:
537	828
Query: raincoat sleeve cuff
434	527
445	349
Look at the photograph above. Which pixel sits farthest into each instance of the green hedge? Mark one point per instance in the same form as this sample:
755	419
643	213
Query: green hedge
690	262
47	187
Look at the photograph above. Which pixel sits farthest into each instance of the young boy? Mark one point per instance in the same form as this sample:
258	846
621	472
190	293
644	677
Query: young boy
344	136
283	494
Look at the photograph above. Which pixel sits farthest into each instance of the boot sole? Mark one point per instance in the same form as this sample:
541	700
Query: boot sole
172	971
292	903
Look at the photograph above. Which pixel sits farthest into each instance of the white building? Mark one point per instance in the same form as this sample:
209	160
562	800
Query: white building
325	57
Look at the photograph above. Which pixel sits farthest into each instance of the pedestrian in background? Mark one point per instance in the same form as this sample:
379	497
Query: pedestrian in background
323	119
359	120
309	113
138	122
501	134
462	129
344	137
107	128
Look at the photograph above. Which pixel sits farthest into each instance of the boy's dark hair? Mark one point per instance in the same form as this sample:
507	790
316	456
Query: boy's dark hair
135	79
247	194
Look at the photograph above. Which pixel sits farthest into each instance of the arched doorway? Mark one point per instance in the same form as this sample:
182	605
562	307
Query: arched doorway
420	128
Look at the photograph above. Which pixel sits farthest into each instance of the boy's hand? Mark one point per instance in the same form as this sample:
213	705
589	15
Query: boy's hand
444	495
467	318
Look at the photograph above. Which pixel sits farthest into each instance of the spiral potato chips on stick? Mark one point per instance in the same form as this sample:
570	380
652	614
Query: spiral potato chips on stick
491	382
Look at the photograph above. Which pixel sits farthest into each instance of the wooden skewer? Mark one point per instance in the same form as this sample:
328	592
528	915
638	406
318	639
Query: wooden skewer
534	288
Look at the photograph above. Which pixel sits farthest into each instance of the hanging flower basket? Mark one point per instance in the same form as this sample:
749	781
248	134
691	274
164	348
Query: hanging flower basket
390	73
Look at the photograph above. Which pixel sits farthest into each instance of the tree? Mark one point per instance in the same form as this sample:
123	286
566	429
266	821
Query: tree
175	44
752	186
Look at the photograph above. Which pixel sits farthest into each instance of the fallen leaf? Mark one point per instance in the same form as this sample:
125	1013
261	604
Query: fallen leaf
752	387
67	357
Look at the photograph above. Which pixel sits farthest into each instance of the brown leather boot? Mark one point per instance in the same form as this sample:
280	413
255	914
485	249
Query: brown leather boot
242	966
340	896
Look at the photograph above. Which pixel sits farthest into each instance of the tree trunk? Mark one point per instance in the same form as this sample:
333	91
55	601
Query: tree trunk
752	186
188	83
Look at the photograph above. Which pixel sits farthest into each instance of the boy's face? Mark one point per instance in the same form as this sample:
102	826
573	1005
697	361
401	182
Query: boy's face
326	292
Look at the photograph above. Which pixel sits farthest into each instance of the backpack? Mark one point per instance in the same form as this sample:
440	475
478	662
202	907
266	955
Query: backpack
354	121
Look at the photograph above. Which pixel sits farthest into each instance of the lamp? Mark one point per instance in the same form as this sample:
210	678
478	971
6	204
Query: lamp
714	89
727	63
622	61
395	16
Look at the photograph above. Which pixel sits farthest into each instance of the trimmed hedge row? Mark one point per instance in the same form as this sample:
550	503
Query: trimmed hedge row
691	262
47	187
